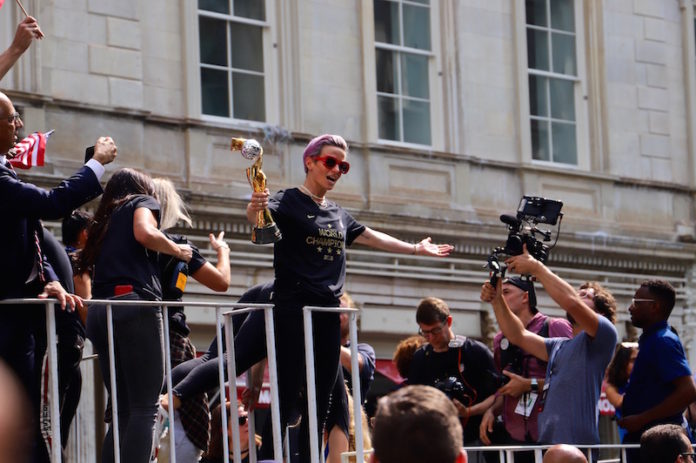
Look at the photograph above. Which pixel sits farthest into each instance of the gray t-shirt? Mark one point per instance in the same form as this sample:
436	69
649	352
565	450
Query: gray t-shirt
574	375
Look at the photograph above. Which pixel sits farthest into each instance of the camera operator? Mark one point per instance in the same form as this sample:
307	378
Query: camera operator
459	366
570	396
517	400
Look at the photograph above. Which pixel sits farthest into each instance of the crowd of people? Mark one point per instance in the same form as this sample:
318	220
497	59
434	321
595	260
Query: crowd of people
539	384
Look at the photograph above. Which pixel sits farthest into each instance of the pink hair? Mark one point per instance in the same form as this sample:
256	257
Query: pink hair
316	144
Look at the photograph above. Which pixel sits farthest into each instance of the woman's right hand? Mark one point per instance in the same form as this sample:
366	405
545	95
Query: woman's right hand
185	252
259	200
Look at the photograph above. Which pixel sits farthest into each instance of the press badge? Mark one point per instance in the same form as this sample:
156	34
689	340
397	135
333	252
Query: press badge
526	404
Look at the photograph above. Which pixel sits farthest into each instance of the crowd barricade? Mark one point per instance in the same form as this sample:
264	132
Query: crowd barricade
506	454
311	384
223	312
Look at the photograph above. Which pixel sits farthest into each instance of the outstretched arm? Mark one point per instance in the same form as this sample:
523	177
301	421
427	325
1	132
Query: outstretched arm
27	30
378	240
560	291
510	325
216	277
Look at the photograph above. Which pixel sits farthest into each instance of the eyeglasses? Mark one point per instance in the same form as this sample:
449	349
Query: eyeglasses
330	162
691	455
433	332
14	118
634	300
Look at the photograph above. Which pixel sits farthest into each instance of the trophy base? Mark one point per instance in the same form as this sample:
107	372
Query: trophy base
266	235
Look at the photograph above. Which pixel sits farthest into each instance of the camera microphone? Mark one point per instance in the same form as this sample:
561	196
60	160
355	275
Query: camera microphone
511	220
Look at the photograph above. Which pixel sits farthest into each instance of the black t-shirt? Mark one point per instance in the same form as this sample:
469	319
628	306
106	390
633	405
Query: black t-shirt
311	254
166	262
124	261
471	363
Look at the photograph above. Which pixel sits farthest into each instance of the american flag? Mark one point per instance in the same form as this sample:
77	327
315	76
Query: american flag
30	151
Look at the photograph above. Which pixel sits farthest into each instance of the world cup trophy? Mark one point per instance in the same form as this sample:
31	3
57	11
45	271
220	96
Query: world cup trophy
265	231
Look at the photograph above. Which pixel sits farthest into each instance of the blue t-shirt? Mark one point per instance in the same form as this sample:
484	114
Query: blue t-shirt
367	373
311	257
574	378
660	361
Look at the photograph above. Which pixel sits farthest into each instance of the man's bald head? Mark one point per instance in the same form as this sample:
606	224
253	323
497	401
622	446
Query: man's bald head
9	125
563	453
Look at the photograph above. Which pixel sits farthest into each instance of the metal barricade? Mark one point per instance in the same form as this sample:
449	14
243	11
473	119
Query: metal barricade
221	318
311	386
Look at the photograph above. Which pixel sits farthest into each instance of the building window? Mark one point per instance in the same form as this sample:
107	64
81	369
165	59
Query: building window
553	75
402	57
231	58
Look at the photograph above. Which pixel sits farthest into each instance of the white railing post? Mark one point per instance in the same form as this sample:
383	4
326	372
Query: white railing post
168	373
273	376
112	379
56	443
355	380
232	389
311	385
221	378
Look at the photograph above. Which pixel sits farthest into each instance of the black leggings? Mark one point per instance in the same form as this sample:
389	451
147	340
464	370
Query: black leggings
139	374
199	375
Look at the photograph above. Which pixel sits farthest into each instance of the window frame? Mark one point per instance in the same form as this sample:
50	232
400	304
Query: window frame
434	77
579	94
193	65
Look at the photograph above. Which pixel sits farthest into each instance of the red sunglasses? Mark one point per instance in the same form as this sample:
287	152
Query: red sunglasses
330	162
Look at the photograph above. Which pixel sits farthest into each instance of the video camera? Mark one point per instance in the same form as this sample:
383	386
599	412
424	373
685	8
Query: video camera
532	211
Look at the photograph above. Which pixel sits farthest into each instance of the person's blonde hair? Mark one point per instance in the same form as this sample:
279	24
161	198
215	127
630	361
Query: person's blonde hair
172	207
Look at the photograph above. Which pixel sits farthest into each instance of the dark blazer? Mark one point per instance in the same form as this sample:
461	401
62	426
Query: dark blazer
21	207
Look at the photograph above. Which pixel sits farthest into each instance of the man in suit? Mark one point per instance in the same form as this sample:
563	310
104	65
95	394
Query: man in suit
26	271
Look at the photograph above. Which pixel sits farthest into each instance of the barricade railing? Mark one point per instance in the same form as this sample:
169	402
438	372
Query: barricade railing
311	385
506	453
223	317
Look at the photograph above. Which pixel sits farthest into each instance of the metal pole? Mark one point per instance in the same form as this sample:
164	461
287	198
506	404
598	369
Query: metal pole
311	386
221	377
56	443
168	371
232	385
273	376
355	379
252	423
112	379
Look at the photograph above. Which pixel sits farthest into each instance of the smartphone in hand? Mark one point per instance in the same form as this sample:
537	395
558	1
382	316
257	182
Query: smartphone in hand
89	153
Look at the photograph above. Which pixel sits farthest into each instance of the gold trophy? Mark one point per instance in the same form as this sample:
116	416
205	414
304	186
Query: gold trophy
265	231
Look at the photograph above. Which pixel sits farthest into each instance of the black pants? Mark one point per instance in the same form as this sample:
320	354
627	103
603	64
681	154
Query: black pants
139	361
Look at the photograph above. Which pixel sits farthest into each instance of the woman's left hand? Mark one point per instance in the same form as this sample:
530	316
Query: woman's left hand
218	242
427	248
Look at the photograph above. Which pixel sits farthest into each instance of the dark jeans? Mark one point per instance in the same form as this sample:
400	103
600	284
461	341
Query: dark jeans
139	374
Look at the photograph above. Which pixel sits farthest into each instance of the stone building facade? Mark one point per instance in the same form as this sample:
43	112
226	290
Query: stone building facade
453	110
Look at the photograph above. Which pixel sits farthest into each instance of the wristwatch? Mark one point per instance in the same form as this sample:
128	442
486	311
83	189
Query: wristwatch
535	385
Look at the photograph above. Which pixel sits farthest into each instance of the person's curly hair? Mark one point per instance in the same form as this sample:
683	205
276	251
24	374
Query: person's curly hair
403	354
604	302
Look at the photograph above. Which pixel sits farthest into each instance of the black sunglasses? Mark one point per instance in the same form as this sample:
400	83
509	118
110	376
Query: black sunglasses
243	419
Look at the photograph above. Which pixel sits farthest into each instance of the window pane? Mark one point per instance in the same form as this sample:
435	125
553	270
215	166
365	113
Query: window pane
416	122
564	146
423	2
213	43
414	75
562	15
386	22
214	92
248	96
540	140
253	9
537	49
416	27
386	71
562	99
219	6
536	12
538	101
246	47
563	49
389	123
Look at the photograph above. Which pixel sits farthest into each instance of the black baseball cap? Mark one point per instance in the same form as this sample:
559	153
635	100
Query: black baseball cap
527	286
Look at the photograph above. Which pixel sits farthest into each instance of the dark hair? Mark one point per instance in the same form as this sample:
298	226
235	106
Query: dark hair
617	375
73	225
663	292
215	445
121	187
432	310
416	424
403	354
604	302
663	443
